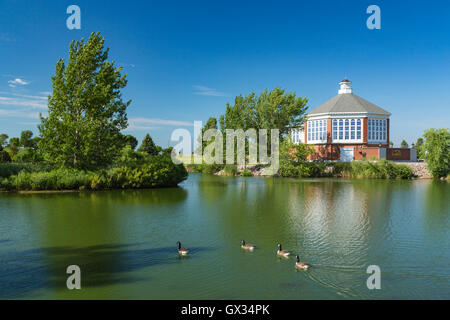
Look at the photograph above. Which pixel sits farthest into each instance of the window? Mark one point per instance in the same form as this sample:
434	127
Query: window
347	129
377	130
317	130
335	129
358	129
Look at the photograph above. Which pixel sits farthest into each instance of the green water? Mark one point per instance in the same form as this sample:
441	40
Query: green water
125	241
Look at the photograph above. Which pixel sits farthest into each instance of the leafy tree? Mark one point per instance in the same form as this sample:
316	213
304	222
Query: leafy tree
148	146
210	124
85	112
274	109
420	148
131	141
437	151
25	139
404	144
3	139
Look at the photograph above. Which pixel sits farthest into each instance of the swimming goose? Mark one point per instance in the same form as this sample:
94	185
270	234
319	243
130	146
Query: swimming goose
182	251
283	253
301	265
247	246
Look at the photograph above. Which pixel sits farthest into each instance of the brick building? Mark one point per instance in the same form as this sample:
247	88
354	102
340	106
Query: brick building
348	127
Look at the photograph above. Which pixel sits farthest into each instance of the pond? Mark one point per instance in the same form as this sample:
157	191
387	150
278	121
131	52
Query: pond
125	241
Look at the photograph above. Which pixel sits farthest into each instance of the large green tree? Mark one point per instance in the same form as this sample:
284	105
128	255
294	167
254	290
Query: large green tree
148	146
437	151
85	111
276	109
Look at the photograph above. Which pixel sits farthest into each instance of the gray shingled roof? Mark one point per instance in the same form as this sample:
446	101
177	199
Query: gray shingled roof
348	102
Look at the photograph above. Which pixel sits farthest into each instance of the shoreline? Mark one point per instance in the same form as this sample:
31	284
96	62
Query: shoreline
419	170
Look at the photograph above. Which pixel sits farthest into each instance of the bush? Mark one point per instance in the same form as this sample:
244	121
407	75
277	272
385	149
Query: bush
9	169
230	170
210	168
27	156
381	169
246	173
4	156
159	171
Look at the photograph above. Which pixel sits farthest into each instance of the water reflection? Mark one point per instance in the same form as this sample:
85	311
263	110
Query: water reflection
124	241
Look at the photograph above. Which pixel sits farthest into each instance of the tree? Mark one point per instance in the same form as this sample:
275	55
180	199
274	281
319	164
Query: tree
437	151
131	141
404	144
3	139
85	111
25	139
420	148
148	146
270	110
210	124
274	109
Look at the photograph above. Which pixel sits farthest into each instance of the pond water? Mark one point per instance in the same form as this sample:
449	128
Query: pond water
125	241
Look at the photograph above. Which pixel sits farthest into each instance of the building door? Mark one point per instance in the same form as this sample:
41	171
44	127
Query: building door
347	154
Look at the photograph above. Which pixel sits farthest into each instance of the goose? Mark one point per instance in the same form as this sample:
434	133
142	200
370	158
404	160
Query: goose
182	251
247	246
283	253
301	265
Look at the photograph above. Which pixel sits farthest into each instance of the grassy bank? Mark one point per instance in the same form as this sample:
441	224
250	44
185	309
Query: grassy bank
357	169
160	171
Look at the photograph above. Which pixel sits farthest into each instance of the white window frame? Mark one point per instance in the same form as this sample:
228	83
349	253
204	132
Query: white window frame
344	131
376	130
316	131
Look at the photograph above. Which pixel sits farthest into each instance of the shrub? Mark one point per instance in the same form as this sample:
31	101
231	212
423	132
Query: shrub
246	173
230	170
9	169
211	168
159	171
4	156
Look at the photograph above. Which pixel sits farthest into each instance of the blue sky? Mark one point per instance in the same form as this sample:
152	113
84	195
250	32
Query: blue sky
186	59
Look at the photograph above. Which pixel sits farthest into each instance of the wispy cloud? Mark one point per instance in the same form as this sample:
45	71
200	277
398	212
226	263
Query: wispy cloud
19	114
18	81
151	124
33	102
205	91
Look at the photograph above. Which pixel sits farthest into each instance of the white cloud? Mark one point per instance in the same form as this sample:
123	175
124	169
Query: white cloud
205	91
18	81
